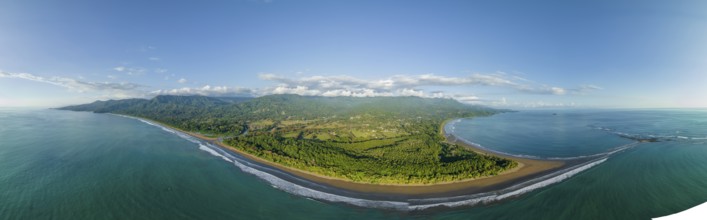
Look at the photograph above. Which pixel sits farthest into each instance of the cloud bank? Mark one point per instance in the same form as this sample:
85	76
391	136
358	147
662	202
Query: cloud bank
116	90
425	85
411	85
206	90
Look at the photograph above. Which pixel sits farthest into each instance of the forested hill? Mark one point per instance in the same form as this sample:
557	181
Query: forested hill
215	115
371	139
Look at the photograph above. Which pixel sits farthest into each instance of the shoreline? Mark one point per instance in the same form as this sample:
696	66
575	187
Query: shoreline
526	170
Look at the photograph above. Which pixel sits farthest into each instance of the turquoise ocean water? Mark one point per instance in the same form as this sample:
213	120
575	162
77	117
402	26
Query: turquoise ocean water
78	165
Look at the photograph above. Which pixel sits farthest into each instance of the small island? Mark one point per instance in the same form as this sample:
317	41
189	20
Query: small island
367	144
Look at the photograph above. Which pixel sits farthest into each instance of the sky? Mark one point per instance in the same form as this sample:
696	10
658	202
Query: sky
506	54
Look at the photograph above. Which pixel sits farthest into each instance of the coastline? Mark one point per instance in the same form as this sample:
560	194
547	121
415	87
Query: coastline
526	170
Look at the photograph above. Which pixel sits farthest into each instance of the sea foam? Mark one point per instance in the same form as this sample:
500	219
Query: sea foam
213	152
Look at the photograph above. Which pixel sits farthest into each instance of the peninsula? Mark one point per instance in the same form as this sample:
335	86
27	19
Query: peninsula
364	144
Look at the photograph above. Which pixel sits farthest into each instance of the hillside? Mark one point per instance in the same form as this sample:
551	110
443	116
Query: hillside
373	140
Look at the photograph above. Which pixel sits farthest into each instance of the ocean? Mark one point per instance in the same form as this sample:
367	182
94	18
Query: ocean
78	165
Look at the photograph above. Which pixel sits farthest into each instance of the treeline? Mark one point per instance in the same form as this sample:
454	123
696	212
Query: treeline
408	161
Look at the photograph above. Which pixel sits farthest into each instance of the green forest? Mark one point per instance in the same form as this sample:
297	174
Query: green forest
385	140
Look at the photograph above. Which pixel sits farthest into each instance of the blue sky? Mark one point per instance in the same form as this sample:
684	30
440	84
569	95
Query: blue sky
511	54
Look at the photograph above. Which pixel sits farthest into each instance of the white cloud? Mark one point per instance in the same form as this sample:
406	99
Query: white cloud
299	90
467	98
394	82
591	87
206	90
437	94
415	85
584	89
411	92
117	90
133	71
557	90
341	85
154	58
408	85
355	93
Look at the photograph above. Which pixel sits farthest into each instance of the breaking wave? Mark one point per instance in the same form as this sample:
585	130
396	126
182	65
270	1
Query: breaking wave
215	153
650	137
